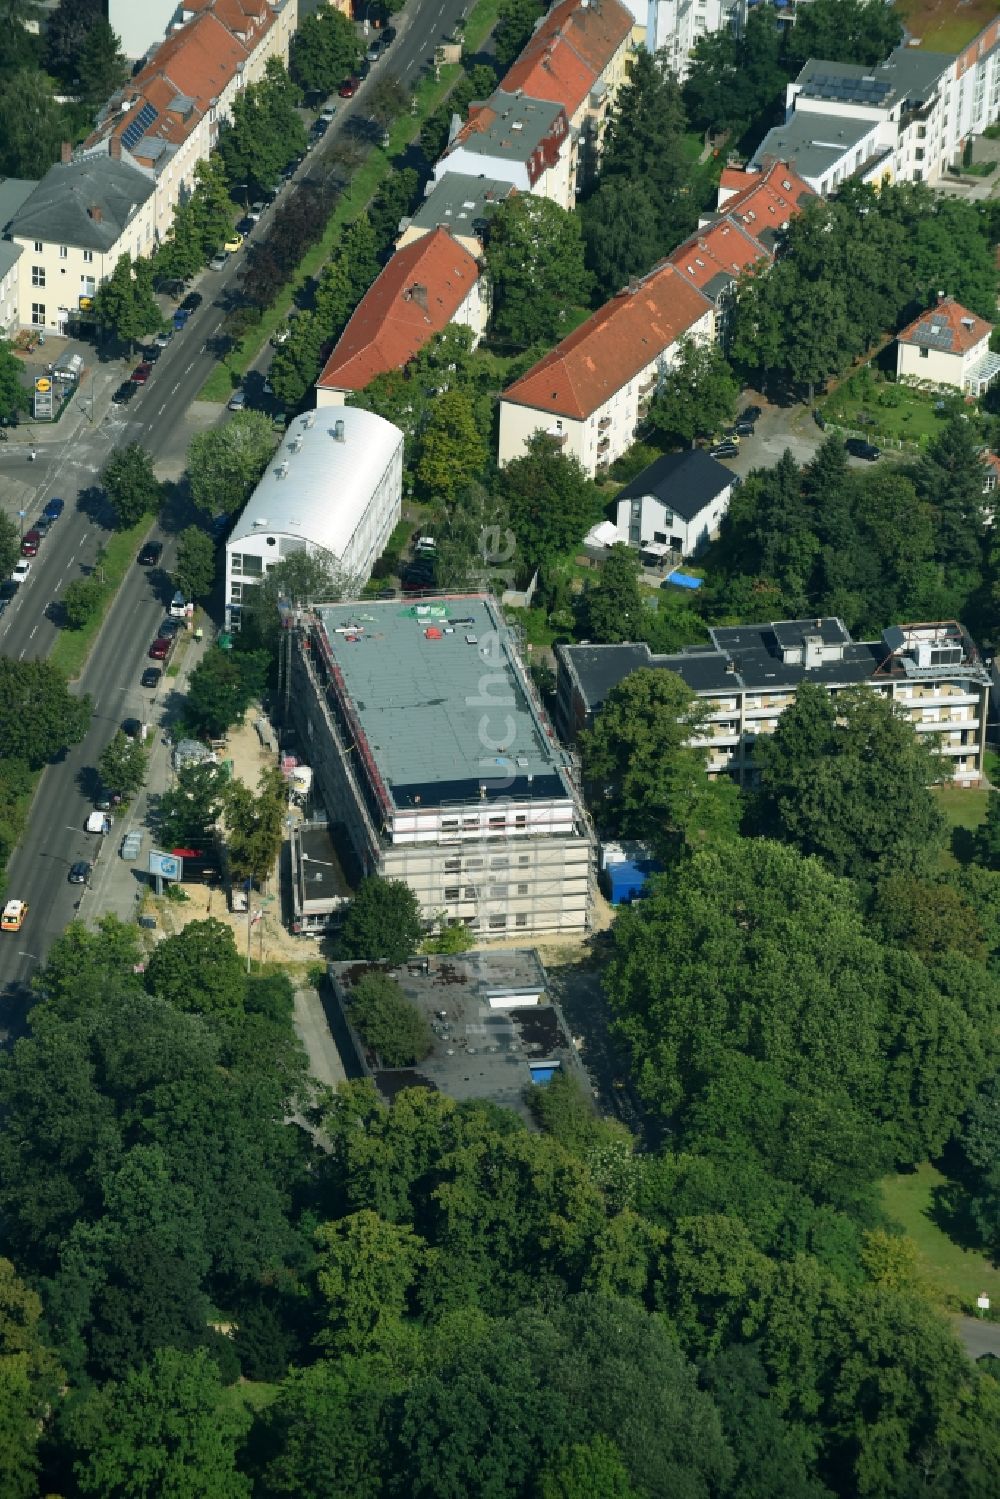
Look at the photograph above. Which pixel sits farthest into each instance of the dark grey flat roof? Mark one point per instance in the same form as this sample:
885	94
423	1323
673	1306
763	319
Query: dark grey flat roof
462	203
686	482
61	208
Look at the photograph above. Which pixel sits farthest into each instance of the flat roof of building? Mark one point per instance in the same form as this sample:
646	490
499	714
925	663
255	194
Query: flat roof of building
321	479
441	701
462	203
508	125
813	142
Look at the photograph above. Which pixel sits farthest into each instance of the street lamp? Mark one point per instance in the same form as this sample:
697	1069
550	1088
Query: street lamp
21	515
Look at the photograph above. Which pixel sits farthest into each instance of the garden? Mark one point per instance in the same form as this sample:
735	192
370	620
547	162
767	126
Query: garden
875	406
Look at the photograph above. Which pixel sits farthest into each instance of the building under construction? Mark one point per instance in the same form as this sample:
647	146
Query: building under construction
434	762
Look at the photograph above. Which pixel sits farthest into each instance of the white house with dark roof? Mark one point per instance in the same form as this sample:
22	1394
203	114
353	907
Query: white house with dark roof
677	503
72	229
334	487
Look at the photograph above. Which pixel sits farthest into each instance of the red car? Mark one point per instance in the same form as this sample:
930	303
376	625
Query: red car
349	87
141	373
32	541
160	649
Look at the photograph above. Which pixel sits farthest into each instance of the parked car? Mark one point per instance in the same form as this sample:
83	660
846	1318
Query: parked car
150	554
218	262
162	339
328	113
55	508
349	88
233	243
32	541
141	374
279	421
43	525
192	302
124	393
178	606
750	414
13	916
21	571
169	628
160	649
151	677
858	448
374	51
238	400
152	354
388	36
727	449
819	419
106	799
744	428
181	316
79	873
245	226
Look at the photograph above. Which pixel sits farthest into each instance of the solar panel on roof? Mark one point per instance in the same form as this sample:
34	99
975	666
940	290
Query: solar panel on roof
133	133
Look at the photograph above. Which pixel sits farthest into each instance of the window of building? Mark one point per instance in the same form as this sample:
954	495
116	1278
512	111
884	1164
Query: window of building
925	353
38	275
524	859
521	918
63	252
498	892
253	567
88	257
88	285
521	820
235	593
497	923
38	314
473	864
452	892
522	889
452	866
449	824
38	247
470	892
500	862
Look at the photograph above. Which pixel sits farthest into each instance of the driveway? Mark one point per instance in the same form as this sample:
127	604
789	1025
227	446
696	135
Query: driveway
779	427
977	1336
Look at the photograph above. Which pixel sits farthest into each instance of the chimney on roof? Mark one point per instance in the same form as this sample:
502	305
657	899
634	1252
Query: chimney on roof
95	213
339	432
115	148
66	153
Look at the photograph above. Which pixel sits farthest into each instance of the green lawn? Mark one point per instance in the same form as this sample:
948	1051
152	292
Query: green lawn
945	25
958	1274
884	410
962	811
248	1394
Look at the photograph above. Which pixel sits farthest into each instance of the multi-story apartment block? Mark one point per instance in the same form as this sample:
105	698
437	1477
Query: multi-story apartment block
13	193
578	57
750	674
461	204
675	27
514	139
72	229
434	763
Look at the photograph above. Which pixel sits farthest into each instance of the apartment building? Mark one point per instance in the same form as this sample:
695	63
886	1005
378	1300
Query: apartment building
14	191
675	27
71	230
514	139
430	283
459	203
434	763
749	675
333	488
948	345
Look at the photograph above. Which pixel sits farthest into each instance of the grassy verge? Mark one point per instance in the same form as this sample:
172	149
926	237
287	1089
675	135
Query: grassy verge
249	1394
963	811
73	646
959	1275
429	94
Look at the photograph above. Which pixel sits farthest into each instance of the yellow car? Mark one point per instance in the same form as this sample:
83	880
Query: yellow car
234	242
13	916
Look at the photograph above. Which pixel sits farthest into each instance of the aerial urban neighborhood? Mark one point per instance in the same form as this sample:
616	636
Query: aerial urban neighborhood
500	749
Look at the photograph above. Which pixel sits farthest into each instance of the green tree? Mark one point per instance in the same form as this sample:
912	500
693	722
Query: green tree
10	545
301	578
102	64
182	252
451	450
325	51
986	839
696	396
737	83
613	605
535	263
643	145
194	570
849	780
394	1028
66	30
199	969
950	478
586	1469
211	205
131	485
862	31
621	233
383	922
221	689
188	812
517	20
163	1432
122	764
366	1274
125	304
327	1429
225	464
265	132
32	124
14	397
81	600
550	502
255	825
296	362
39	716
646	780
29	1379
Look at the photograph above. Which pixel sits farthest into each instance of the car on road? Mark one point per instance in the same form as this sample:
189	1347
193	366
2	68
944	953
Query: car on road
141	373
150	554
238	400
160	649
319	127
858	448
256	210
726	449
8	591
79	873
43	525
191	302
21	571
218	262
170	627
162	339
245	226
374	51
328	113
152	354
32	541
349	88
131	728
750	414
106	799
124	393
181	316
55	508
151	677
388	36
13	916
233	243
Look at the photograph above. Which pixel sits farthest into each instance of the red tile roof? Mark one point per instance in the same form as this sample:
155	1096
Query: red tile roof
725	248
414	297
769	198
563	59
948	327
612	346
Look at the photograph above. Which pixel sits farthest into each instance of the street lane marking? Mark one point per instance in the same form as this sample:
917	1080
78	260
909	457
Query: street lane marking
32	635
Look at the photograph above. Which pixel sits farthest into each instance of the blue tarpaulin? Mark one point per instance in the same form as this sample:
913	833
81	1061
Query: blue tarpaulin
682	580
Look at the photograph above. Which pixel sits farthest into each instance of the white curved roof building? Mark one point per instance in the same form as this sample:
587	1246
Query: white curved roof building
334	485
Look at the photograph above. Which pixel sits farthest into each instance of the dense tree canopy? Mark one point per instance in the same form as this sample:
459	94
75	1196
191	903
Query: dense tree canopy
534	258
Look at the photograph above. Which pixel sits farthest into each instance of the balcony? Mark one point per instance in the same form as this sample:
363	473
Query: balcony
604	424
604	445
559	438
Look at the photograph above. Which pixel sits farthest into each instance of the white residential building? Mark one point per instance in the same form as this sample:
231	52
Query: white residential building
676	26
675	506
948	345
514	139
334	488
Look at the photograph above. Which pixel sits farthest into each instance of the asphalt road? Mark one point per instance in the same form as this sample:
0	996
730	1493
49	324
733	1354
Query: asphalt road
156	418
